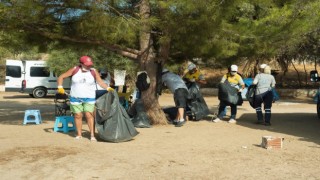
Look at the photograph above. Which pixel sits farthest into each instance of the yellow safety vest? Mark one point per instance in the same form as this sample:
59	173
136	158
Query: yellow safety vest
233	79
195	75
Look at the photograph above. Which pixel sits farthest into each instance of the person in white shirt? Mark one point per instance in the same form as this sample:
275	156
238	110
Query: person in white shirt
265	82
82	94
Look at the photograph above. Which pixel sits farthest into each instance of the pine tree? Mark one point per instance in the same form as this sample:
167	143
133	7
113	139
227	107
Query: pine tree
151	32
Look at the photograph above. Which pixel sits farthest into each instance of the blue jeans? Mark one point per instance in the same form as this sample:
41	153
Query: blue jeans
223	110
224	113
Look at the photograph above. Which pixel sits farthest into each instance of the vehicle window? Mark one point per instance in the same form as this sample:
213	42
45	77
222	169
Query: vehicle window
13	71
39	72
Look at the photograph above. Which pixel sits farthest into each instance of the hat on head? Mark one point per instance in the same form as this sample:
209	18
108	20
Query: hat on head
164	70
191	66
86	60
262	66
234	67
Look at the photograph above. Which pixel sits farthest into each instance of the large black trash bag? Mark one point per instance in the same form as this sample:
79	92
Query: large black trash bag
171	113
229	94
112	121
251	94
196	103
140	118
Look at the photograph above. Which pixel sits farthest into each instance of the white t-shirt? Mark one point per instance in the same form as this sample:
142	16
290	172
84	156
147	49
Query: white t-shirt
264	83
83	85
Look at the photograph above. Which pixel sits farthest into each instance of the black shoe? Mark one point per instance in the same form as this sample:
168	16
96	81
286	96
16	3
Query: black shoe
267	124
260	122
172	122
180	123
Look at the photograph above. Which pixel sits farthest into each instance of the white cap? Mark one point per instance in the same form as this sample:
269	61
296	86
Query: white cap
164	70
191	66
262	66
234	68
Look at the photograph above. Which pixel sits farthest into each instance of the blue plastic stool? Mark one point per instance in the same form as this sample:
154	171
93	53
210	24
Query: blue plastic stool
64	121
32	116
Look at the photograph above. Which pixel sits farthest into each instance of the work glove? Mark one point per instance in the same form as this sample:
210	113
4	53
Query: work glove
240	90
60	90
110	89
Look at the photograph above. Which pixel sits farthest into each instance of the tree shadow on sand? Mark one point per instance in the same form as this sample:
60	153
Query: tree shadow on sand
303	125
12	112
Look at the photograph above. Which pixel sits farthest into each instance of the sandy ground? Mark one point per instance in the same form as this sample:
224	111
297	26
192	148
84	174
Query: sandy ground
198	150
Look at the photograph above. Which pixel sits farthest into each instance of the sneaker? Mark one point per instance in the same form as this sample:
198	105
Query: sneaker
232	121
78	137
93	139
180	123
175	122
216	120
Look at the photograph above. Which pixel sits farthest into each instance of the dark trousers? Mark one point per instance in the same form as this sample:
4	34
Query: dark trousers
222	110
265	98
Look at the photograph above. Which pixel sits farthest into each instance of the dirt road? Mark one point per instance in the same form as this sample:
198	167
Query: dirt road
198	150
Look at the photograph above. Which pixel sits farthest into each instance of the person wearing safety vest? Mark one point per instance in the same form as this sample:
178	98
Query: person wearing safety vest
235	81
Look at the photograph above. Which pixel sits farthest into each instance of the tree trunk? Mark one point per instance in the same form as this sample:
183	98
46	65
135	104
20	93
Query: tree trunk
299	80
284	68
147	62
305	72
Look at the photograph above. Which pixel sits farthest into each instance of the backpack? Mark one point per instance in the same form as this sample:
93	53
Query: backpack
143	81
92	71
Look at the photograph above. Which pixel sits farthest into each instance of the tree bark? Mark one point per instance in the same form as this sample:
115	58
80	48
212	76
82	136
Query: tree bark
305	72
147	62
299	80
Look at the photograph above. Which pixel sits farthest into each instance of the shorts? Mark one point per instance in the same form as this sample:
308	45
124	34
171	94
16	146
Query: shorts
78	105
180	97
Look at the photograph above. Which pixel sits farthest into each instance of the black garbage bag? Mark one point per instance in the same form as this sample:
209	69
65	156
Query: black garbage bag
196	103
229	94
251	94
112	121
140	118
171	113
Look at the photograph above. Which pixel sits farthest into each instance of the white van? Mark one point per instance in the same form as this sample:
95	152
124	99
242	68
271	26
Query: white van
31	77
